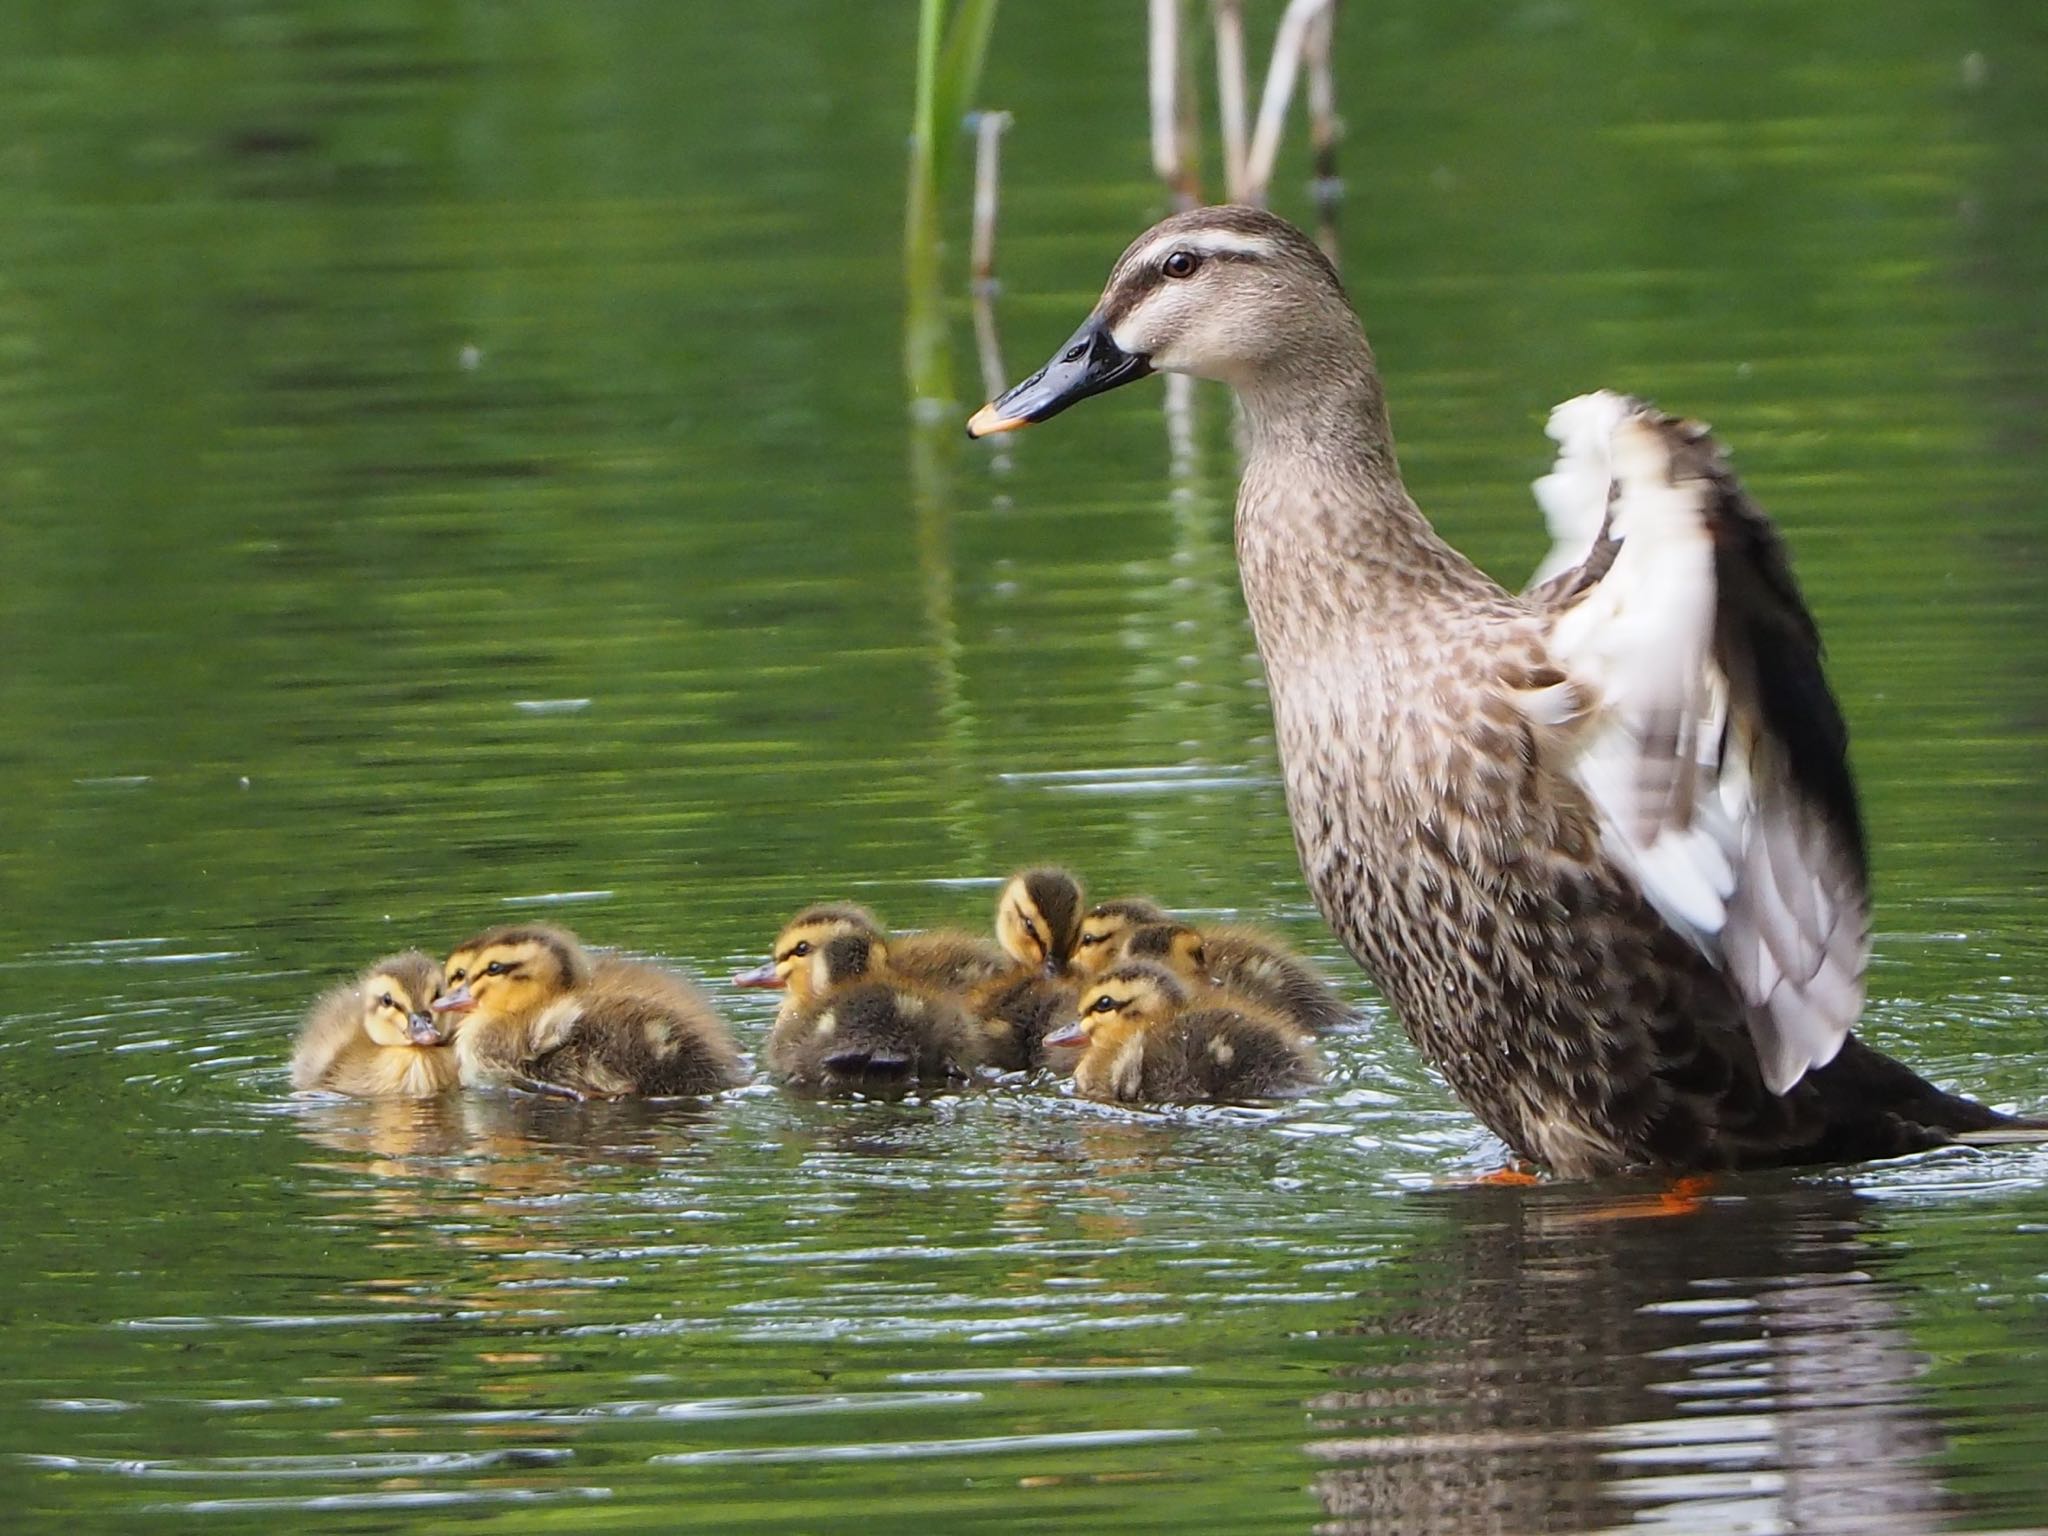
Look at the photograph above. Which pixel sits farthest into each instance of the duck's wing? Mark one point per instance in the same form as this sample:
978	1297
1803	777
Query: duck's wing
1577	497
1701	726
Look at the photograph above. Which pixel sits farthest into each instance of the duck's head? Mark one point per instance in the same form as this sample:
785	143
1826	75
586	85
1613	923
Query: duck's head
1105	927
847	958
1038	917
1175	947
398	997
1227	293
1128	996
511	972
788	962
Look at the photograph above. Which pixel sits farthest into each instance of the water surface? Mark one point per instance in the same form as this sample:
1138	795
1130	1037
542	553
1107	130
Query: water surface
457	469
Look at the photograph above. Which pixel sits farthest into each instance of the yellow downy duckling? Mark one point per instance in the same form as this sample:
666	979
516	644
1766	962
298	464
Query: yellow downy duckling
866	1027
1105	926
375	1037
941	959
539	1011
1038	917
1247	961
1144	1042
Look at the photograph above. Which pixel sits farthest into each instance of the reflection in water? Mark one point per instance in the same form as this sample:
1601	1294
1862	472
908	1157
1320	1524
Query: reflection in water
1569	1366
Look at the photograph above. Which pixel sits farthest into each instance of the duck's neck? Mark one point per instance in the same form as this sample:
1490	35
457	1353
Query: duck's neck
1336	558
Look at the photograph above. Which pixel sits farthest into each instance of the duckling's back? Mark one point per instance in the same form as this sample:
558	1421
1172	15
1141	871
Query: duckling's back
1258	966
871	1033
641	1031
1216	1055
1017	1012
946	960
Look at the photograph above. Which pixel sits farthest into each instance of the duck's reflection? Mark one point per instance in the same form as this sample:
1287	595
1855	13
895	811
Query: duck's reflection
1564	1365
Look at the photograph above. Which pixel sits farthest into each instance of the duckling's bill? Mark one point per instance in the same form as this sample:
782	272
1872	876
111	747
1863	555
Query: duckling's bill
763	975
1088	364
421	1029
1067	1036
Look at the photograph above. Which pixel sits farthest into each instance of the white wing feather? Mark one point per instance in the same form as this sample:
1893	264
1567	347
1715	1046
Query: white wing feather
1695	798
1573	495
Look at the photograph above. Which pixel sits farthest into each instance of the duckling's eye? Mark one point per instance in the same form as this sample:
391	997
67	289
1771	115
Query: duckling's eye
496	968
386	1002
1090	940
1105	1005
455	976
801	948
1180	264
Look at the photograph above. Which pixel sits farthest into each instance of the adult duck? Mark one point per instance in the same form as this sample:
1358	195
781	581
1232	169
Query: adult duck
1598	844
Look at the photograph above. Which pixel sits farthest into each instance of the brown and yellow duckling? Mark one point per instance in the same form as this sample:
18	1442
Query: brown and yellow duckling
1247	961
942	959
536	1010
1038	918
1145	1040
375	1037
863	1025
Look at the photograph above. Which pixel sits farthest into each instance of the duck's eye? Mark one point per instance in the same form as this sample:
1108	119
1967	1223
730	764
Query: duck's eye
1090	940
455	976
801	948
496	968
1105	1005
386	1002
1180	264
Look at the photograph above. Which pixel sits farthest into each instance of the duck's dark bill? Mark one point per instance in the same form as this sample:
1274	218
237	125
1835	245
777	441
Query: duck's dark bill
1087	365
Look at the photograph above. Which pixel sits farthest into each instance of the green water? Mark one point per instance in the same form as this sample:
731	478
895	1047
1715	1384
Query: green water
455	458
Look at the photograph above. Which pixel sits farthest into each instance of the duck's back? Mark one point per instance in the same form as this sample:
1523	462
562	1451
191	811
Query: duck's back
641	1031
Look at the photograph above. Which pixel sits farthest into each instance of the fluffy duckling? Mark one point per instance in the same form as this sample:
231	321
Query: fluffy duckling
536	1010
865	1025
1145	1041
1038	917
375	1037
1100	942
939	959
1247	961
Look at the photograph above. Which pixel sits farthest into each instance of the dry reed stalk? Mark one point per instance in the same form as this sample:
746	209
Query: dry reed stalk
1288	46
988	170
1230	95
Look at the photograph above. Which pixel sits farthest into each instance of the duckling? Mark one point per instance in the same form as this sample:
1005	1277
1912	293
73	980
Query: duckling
864	1025
539	1011
1038	917
375	1037
1144	1039
1247	961
941	959
1106	925
1255	964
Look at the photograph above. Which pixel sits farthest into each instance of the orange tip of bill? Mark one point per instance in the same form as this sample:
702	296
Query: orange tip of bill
987	422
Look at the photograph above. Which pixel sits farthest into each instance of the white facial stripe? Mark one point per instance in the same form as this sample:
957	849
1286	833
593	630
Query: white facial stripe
1205	242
